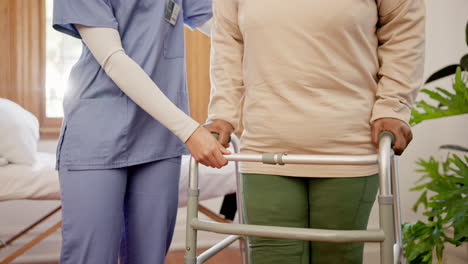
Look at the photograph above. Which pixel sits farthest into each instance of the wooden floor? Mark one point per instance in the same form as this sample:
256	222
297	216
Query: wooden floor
227	256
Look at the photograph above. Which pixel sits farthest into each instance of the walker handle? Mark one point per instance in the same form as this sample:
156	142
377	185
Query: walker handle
387	133
216	135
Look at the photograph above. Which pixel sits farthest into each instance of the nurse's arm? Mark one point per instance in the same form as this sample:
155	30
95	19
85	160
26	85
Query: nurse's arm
105	44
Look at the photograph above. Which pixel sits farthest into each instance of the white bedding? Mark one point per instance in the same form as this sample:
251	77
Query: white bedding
37	182
19	133
40	181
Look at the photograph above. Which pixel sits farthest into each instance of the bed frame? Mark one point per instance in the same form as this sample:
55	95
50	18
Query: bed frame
36	240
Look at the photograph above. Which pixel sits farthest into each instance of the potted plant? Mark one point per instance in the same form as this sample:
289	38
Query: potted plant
443	184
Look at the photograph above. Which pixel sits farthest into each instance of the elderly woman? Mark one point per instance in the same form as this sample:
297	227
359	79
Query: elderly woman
316	77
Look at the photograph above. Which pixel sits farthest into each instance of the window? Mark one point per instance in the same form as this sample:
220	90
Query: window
36	61
62	52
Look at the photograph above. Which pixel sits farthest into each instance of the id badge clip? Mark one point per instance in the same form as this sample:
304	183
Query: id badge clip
172	12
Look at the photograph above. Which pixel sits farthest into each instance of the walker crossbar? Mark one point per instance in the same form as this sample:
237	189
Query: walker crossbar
309	234
389	234
304	159
216	248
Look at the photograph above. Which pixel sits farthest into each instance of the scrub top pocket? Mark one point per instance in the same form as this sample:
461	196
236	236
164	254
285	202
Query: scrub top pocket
96	134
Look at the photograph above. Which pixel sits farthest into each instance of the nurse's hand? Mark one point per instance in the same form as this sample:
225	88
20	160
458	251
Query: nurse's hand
223	128
206	149
399	129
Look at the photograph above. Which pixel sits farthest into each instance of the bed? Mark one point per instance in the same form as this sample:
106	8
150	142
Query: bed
40	182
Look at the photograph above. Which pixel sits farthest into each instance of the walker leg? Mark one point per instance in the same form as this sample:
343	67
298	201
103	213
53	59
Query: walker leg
386	199
192	212
396	212
386	224
240	210
243	249
240	207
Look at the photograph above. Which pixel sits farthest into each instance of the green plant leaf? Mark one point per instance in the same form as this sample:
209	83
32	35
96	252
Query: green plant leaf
419	187
442	98
466	33
448	104
440	252
454	147
461	231
442	73
427	258
422	200
461	166
464	62
419	241
452	241
445	197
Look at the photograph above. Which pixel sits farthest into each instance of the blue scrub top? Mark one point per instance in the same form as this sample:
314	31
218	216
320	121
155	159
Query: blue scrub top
103	128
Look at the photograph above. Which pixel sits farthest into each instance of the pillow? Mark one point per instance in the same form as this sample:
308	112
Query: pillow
19	133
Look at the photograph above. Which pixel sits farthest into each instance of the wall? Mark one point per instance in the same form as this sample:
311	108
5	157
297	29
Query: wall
445	45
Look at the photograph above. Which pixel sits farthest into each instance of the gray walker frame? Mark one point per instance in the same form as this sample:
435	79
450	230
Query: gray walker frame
388	234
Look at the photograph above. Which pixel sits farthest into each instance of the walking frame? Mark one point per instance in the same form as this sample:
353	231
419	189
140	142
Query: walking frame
388	234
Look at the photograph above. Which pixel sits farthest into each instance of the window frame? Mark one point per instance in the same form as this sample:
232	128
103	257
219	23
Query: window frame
50	126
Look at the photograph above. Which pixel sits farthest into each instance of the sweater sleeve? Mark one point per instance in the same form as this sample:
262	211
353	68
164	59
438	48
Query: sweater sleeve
227	50
105	44
401	35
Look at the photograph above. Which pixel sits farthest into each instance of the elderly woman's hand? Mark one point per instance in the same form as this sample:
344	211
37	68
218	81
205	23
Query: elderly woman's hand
399	129
223	128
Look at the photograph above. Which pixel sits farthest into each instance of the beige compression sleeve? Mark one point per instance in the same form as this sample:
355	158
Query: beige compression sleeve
105	44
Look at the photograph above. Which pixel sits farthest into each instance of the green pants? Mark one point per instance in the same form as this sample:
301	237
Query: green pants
324	203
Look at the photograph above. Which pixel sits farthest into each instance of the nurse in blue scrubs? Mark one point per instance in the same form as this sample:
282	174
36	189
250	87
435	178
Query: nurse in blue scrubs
126	127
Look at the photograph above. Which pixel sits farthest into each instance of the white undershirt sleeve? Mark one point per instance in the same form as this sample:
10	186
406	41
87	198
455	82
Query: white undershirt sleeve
106	46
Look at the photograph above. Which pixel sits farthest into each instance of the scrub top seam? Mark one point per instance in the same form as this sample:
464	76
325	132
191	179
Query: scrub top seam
116	165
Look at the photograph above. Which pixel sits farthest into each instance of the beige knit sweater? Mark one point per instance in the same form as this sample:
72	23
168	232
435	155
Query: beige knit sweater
314	75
